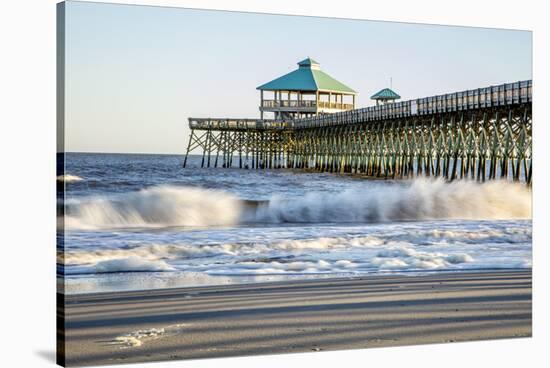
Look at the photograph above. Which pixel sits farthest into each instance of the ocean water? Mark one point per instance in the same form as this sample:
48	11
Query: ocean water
143	222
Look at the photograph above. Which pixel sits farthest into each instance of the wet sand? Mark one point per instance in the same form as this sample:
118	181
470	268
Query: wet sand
296	316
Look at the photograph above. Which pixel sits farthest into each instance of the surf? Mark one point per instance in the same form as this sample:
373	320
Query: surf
418	199
68	178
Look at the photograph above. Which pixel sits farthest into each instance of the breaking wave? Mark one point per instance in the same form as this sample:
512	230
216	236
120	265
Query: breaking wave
155	207
68	178
419	199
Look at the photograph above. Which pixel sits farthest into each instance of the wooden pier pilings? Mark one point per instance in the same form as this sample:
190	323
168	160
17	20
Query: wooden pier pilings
242	144
481	135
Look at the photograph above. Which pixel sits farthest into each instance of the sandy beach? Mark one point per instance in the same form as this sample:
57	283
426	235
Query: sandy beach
291	317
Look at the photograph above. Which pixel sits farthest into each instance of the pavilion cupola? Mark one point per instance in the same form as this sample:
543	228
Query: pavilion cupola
309	63
385	96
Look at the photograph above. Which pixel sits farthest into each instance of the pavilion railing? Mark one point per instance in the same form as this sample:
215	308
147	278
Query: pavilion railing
335	105
289	103
307	104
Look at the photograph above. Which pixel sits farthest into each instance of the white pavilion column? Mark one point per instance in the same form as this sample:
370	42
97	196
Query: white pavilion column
262	104
316	102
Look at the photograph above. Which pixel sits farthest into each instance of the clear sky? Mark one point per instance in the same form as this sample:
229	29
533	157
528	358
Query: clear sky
134	74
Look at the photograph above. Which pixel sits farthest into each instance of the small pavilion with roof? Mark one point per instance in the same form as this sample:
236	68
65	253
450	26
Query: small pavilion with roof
385	96
304	92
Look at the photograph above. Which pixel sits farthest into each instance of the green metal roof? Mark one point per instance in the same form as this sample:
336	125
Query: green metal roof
308	77
385	94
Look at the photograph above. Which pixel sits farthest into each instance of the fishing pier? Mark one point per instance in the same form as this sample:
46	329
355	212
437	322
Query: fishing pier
479	134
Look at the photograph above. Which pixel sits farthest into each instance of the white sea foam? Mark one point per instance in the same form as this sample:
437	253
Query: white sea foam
67	178
229	255
157	258
420	199
132	264
408	257
89	282
459	258
387	250
362	237
138	338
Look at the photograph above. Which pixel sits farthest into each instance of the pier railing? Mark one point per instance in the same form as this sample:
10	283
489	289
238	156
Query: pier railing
480	98
237	124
